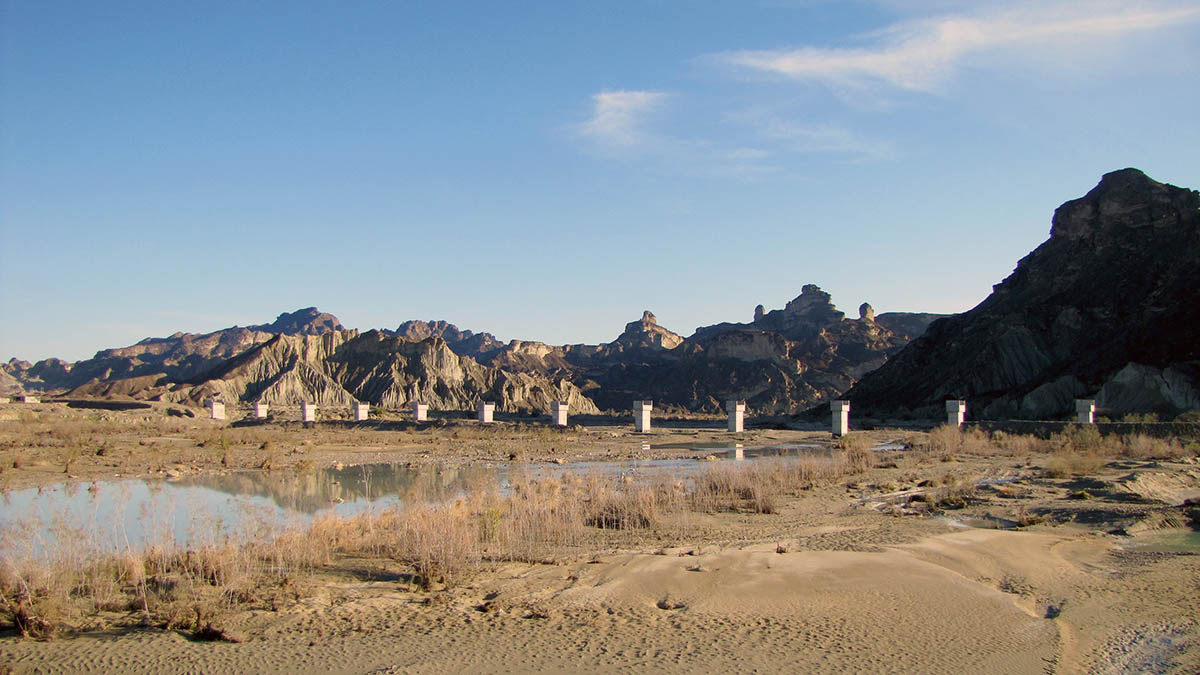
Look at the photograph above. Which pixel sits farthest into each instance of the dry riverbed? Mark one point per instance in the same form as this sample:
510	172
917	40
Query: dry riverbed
957	553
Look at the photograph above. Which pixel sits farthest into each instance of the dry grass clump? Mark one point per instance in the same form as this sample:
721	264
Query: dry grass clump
1082	450
1138	446
947	441
1012	445
67	587
756	487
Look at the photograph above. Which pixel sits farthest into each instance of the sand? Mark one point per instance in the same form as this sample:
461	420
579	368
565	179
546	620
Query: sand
835	581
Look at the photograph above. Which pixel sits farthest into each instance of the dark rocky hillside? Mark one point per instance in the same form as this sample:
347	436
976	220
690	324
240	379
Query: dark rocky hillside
1107	308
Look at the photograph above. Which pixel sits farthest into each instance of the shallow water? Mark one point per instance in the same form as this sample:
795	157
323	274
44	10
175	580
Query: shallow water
208	508
1165	541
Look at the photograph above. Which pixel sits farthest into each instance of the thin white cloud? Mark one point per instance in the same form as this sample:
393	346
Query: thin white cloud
824	138
619	128
618	116
921	55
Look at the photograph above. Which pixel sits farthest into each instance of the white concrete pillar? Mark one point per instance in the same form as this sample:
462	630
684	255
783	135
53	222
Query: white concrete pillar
361	410
485	412
641	415
308	412
260	410
1086	408
28	398
739	451
559	410
420	412
216	410
737	415
841	417
956	413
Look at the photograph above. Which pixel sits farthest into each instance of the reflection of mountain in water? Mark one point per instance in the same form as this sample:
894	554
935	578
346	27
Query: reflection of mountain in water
313	491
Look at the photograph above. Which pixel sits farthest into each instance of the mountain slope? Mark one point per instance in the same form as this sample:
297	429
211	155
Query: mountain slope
177	357
1106	307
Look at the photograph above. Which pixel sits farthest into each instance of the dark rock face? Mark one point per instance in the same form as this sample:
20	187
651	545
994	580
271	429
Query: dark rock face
1108	305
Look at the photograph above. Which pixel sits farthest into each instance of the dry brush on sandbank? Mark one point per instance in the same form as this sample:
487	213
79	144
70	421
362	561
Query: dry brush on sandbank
66	582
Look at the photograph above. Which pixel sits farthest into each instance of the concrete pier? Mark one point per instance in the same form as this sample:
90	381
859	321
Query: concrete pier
27	398
361	411
841	417
216	410
260	410
737	415
739	451
1086	409
485	412
308	412
420	412
641	415
956	413
559	412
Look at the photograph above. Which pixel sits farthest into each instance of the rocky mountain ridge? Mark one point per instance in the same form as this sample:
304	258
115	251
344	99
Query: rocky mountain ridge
1106	308
306	355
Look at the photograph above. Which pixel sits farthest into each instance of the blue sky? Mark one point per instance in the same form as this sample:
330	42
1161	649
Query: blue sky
547	170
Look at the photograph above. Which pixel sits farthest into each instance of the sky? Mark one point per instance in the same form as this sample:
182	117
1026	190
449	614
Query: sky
548	170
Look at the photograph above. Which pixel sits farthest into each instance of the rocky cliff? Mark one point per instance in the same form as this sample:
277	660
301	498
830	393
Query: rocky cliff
307	321
783	361
1107	307
174	358
338	368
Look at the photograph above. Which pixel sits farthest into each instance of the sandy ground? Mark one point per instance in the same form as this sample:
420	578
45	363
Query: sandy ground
838	580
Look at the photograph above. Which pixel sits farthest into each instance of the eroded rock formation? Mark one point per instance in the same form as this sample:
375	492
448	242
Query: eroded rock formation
1106	307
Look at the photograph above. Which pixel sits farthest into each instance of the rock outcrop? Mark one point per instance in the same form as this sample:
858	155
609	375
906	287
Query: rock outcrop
177	357
785	361
339	368
1106	307
307	321
463	342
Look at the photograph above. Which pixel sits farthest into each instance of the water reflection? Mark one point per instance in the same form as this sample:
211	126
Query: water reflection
208	508
315	491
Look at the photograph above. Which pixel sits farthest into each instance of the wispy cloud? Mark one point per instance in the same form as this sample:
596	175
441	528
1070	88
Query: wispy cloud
618	117
834	139
921	55
620	127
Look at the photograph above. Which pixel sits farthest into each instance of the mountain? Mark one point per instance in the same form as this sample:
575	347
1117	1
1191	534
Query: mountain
340	367
174	358
307	321
783	361
1107	307
462	342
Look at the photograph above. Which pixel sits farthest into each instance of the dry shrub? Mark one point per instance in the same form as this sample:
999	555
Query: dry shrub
1147	447
1015	444
856	449
954	493
942	443
1067	463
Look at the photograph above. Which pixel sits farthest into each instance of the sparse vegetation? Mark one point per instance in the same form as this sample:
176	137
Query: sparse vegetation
48	587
